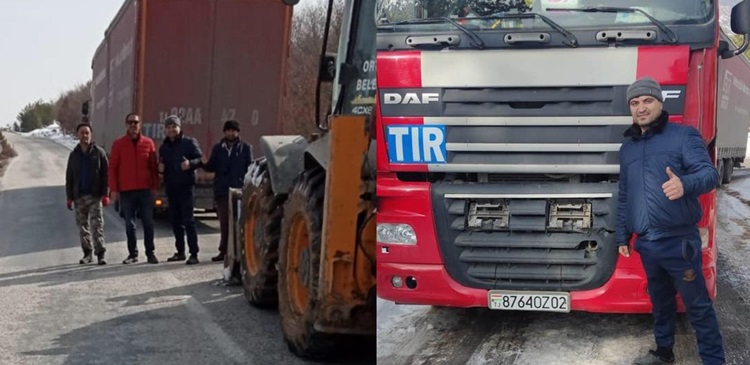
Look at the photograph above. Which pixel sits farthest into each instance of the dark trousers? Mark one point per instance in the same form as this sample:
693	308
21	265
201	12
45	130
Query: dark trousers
674	265
181	205
222	210
138	202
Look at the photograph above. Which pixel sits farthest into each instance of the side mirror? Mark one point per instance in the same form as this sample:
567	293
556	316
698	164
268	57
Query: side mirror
328	67
85	108
290	2
741	18
741	25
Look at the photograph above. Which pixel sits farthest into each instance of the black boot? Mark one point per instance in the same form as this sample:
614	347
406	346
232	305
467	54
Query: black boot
100	258
178	256
219	257
661	356
86	257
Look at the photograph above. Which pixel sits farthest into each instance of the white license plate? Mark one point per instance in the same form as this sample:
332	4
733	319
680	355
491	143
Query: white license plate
529	301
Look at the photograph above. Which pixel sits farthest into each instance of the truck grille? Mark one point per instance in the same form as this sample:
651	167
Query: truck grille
512	237
532	130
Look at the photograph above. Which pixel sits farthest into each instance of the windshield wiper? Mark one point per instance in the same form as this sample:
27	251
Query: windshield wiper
572	40
476	40
610	9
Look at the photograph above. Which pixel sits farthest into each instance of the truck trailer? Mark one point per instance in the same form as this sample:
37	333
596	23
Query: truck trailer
733	113
204	61
499	127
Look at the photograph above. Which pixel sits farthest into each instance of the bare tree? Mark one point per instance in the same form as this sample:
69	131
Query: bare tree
308	27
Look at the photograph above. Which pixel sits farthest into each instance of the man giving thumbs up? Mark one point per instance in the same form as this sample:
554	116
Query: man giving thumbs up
673	187
658	153
180	155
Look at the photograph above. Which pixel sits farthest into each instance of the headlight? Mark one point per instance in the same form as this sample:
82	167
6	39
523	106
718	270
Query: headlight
396	234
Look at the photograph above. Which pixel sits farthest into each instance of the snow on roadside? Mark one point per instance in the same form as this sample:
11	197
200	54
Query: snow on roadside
54	133
733	229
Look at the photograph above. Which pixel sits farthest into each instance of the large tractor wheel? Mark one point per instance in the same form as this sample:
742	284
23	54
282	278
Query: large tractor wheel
299	266
259	240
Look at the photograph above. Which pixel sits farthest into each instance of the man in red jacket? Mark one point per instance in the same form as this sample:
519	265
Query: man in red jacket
134	181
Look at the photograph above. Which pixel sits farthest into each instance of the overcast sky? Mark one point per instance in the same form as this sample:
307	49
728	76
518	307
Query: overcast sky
46	47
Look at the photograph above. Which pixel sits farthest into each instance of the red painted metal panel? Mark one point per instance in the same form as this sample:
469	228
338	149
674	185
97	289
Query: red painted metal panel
396	70
99	91
399	69
249	68
177	67
666	64
116	60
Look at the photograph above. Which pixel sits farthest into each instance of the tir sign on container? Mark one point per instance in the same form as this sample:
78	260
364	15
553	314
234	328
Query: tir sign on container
416	144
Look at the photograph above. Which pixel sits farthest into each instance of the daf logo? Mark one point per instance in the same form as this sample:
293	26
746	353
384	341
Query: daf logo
670	94
411	98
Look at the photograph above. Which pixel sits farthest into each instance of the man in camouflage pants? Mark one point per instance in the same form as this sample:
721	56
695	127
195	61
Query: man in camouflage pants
87	185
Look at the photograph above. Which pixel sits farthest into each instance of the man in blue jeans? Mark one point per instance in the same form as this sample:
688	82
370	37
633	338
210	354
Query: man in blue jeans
180	156
664	168
133	181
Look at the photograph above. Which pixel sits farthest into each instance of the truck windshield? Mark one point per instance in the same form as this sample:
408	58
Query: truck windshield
467	12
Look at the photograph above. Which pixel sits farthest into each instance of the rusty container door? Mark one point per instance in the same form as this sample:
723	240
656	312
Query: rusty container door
249	67
177	68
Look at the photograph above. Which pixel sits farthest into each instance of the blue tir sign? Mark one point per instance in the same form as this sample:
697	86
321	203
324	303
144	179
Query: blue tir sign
416	144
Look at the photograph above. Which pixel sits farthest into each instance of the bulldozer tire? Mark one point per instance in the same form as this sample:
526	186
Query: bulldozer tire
259	241
299	266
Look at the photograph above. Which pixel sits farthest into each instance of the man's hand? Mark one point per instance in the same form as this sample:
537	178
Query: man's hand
105	200
115	196
161	167
70	205
625	250
185	164
204	159
673	187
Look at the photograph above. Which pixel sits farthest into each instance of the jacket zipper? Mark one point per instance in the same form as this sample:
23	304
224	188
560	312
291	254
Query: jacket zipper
645	198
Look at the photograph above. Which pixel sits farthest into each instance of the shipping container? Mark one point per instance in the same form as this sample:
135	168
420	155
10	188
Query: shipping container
206	61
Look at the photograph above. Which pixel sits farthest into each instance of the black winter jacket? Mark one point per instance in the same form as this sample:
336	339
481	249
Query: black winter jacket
229	167
643	208
98	164
172	153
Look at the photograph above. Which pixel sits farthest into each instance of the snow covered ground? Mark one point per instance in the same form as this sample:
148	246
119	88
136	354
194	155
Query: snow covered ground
54	133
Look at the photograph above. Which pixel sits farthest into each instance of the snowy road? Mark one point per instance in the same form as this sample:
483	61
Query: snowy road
418	335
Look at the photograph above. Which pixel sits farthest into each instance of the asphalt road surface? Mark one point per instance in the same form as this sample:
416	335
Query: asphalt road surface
421	335
55	311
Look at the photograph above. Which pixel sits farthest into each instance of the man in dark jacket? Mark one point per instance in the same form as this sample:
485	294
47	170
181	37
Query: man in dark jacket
664	168
86	184
229	161
179	157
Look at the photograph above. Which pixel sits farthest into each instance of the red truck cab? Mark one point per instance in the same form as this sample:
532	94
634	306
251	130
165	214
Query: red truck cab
498	136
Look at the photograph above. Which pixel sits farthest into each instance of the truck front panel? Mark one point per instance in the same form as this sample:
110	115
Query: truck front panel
498	167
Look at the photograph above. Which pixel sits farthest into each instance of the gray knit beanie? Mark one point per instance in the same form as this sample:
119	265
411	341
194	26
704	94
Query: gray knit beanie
645	86
173	119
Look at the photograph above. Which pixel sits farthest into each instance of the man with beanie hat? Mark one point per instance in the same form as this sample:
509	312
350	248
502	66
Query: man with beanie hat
179	157
229	161
664	168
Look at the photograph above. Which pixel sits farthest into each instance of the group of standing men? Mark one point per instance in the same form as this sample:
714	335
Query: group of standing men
131	176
